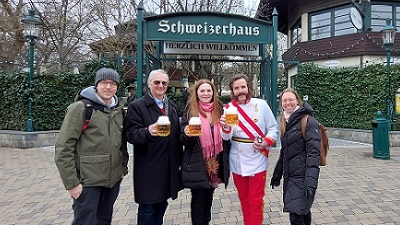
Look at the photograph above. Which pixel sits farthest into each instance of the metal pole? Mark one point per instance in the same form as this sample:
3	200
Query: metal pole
31	70
139	52
274	72
388	112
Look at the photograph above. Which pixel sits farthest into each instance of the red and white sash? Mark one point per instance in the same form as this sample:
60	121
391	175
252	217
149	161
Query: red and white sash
263	151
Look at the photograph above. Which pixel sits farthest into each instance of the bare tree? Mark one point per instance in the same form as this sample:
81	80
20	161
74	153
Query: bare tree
66	25
11	33
71	26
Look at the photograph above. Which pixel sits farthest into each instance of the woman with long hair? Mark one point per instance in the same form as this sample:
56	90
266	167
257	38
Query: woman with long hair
205	160
299	158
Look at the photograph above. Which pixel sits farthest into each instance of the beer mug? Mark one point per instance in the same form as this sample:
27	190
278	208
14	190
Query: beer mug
163	126
231	116
195	126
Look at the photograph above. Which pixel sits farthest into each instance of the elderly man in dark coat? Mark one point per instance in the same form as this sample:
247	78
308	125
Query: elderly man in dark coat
156	174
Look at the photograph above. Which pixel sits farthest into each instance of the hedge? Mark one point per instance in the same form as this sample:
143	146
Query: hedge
342	98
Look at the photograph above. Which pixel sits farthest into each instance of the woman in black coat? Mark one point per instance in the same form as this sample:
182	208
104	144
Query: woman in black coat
205	158
299	158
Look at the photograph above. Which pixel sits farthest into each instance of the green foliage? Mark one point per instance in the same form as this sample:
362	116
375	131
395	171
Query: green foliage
343	98
225	98
348	97
14	100
51	94
178	100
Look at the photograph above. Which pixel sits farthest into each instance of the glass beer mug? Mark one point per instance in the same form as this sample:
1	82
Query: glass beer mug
195	126
231	116
163	126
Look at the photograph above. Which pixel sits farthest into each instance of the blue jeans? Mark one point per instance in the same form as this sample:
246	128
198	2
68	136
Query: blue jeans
95	205
151	214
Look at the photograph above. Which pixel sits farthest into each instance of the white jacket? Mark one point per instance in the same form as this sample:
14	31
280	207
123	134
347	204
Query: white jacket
244	159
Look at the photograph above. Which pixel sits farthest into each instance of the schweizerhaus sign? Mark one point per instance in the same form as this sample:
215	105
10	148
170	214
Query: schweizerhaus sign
209	29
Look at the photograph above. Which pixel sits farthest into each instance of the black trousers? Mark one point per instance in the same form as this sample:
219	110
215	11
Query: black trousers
296	219
95	205
201	205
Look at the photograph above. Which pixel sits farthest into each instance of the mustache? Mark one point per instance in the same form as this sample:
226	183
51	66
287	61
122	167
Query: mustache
236	97
240	94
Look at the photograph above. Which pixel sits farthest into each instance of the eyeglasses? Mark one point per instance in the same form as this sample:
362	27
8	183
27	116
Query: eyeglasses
157	82
288	100
106	83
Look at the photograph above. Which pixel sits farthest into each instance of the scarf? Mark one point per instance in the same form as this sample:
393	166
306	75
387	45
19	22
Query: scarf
210	147
287	115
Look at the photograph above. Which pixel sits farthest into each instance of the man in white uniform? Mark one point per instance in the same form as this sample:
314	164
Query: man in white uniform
251	140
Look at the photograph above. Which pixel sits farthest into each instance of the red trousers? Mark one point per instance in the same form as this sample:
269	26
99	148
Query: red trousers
251	193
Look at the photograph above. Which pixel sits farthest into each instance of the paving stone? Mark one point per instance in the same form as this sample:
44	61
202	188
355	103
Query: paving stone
354	188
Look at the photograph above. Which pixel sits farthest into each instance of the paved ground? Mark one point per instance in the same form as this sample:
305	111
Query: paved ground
354	188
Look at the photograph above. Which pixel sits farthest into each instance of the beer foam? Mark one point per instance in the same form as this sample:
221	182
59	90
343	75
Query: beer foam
195	120
231	110
163	120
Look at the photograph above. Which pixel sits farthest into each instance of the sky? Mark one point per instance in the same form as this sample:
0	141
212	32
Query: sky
253	3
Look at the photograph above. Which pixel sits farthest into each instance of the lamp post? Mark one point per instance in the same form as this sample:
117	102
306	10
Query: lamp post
388	35
185	82
32	27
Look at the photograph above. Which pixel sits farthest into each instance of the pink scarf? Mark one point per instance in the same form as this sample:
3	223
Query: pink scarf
210	147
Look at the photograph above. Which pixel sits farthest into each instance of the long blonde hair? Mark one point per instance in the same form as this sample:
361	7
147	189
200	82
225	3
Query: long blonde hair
193	105
283	120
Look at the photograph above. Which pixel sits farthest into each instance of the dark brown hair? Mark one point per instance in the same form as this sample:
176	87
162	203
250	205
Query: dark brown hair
248	82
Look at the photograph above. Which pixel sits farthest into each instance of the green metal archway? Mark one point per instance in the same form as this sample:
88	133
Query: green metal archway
202	30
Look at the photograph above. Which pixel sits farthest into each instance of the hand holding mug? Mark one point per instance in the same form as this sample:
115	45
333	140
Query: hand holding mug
153	129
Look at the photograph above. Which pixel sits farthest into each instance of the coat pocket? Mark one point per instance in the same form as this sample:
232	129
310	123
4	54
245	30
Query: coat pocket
95	170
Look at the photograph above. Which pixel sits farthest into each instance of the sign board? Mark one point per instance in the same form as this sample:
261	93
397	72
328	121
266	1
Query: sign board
203	48
331	63
211	27
397	101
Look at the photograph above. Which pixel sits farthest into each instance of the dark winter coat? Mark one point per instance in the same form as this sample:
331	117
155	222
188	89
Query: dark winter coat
194	172
156	174
299	162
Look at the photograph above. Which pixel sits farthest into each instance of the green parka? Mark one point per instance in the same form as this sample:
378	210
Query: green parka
96	157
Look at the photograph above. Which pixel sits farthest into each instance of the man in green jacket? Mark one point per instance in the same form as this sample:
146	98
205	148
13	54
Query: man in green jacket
93	160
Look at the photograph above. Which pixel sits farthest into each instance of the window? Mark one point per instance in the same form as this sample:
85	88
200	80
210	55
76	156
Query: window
380	13
321	26
342	23
334	22
397	16
296	34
